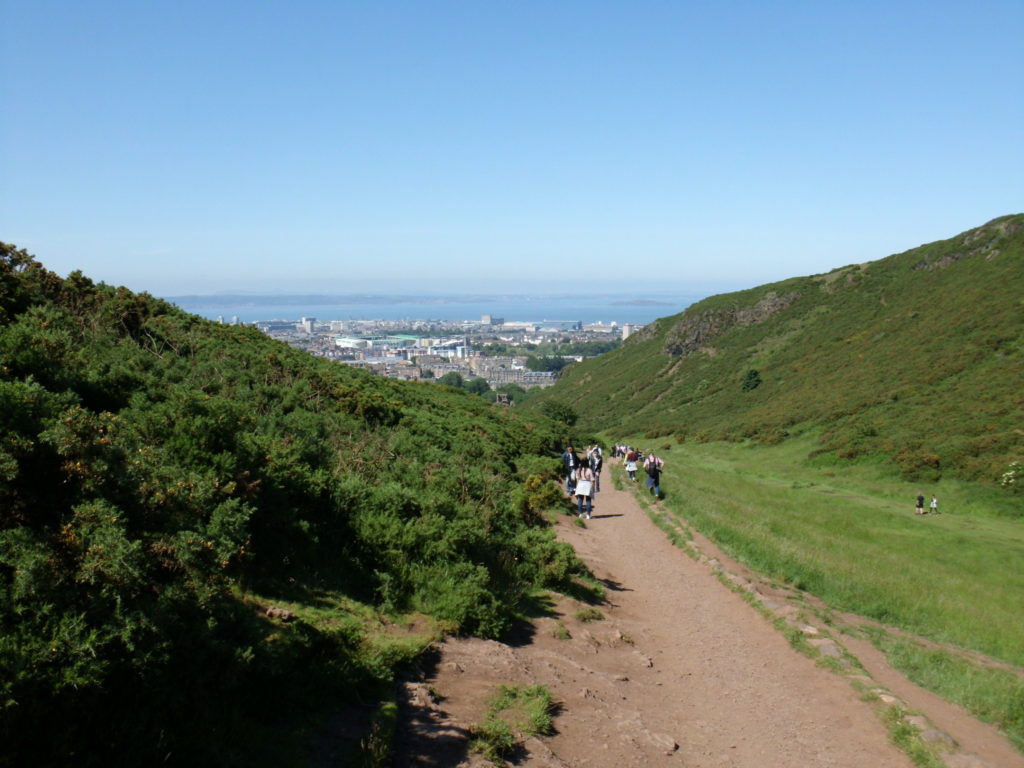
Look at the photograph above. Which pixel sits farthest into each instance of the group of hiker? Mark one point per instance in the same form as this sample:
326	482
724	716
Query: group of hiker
583	477
583	474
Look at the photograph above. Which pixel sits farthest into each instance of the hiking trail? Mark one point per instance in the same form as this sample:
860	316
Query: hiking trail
682	671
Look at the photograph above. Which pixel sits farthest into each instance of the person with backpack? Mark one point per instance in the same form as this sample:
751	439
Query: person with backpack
653	466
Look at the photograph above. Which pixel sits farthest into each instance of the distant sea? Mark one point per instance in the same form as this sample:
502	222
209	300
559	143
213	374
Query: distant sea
587	309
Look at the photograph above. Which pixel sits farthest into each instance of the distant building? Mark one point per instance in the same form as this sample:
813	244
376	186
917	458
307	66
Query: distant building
347	342
491	320
402	340
307	324
561	325
628	330
521	325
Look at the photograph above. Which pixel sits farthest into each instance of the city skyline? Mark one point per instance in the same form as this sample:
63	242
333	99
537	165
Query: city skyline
454	147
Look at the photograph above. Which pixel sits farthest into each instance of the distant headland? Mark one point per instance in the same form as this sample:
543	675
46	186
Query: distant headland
642	303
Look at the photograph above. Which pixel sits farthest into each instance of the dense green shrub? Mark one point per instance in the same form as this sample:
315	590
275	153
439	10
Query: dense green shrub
559	411
751	380
158	472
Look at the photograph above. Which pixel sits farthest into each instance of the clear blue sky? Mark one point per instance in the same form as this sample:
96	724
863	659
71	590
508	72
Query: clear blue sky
197	147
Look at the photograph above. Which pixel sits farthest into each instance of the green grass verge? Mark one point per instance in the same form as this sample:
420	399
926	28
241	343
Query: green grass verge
907	737
993	694
854	541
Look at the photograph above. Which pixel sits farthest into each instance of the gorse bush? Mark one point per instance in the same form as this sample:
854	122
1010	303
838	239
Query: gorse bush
158	472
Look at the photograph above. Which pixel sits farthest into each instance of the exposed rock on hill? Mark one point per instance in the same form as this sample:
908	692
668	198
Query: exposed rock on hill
988	235
691	334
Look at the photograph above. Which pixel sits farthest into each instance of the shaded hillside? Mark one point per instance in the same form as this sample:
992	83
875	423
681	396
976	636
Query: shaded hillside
165	480
918	357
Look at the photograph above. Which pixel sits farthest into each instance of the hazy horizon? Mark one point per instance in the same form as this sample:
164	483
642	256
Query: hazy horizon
605	308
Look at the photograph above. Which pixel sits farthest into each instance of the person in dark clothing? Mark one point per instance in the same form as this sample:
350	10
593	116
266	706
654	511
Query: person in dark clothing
920	505
571	462
653	466
596	462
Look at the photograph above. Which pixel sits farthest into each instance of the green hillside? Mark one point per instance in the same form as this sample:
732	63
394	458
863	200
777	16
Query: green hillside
164	481
917	359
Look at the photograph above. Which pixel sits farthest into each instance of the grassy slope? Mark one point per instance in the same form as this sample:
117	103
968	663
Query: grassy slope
921	365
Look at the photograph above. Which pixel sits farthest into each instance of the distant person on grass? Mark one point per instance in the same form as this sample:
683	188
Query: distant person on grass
920	505
584	490
934	506
653	466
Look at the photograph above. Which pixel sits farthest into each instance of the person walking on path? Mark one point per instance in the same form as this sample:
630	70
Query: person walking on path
570	461
631	458
934	506
596	462
653	466
584	490
920	505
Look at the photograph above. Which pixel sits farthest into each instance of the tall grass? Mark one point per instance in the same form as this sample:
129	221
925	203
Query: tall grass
854	541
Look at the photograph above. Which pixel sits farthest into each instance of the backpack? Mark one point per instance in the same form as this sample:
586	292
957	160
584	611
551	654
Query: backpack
652	469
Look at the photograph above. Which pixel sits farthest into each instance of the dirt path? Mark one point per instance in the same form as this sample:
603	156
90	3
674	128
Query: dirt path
681	672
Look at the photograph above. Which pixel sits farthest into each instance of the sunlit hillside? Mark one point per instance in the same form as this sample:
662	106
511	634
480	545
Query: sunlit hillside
916	359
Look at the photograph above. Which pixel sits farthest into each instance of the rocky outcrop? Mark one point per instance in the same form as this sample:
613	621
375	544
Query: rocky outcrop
981	241
693	333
